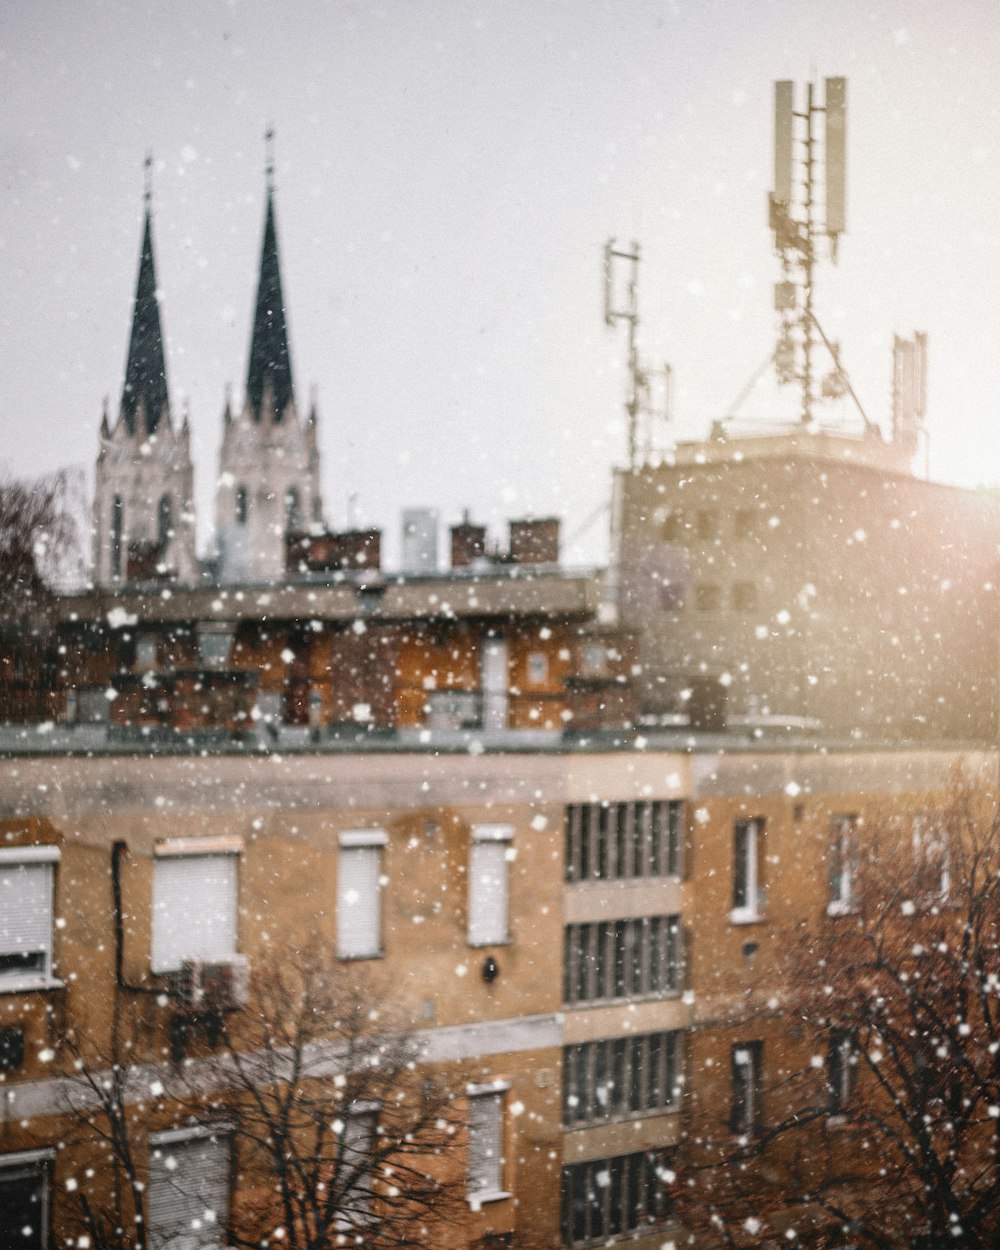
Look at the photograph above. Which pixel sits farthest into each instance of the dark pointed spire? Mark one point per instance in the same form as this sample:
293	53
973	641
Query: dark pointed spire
270	359
145	368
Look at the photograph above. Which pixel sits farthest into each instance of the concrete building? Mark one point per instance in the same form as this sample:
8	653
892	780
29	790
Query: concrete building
810	579
580	935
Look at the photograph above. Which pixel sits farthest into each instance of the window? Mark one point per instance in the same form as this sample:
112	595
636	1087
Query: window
748	893
622	958
486	1141
708	526
27	876
745	525
359	894
931	859
293	509
674	527
117	535
242	505
188	1192
619	1077
538	668
607	841
194	902
489	856
605	1198
744	597
707	597
357	1131
164	521
842	1066
746	1070
24	1199
842	863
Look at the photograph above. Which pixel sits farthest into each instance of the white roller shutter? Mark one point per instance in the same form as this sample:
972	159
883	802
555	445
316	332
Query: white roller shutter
359	905
488	884
188	1194
194	909
485	1144
25	918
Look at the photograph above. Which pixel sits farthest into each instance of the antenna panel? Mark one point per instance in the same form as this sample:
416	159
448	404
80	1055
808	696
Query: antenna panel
836	145
783	110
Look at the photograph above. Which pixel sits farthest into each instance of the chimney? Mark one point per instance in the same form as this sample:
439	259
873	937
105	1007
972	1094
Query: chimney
535	541
468	543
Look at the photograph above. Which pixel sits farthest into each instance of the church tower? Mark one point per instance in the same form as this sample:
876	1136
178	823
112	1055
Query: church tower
143	496
269	463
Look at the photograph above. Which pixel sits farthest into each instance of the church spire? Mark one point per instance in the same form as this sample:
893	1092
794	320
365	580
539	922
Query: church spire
270	359
145	368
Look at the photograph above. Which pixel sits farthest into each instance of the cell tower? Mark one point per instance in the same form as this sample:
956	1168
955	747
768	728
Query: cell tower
639	400
804	163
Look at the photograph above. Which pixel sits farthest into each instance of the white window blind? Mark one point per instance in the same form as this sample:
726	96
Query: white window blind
26	915
489	884
359	903
485	1144
188	1194
194	909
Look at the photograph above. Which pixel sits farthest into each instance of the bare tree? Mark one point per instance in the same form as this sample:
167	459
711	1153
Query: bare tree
885	1132
334	1132
342	1137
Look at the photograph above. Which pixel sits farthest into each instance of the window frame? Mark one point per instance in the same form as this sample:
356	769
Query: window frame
620	959
492	836
43	860
841	1070
842	863
37	1163
649	1065
746	1066
746	869
358	840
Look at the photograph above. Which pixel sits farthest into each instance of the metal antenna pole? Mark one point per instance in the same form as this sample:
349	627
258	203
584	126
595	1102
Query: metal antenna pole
808	257
630	315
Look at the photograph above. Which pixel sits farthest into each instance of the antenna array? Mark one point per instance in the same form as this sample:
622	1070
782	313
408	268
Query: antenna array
800	221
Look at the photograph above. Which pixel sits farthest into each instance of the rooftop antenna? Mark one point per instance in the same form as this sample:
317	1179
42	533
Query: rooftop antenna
639	399
799	221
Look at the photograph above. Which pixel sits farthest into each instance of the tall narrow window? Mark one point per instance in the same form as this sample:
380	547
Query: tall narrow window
841	1069
842	863
194	903
188	1191
748	894
293	509
489	873
746	1072
359	894
117	535
164	521
486	1141
26	883
242	507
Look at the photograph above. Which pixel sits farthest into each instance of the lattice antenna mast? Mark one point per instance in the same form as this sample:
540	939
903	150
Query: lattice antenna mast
638	401
799	221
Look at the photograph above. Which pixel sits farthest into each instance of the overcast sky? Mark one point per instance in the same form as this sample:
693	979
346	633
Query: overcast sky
447	174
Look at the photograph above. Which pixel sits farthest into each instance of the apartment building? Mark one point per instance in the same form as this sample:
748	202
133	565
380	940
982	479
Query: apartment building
581	936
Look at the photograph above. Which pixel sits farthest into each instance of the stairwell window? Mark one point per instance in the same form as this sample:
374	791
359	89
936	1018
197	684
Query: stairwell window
27	880
242	508
117	535
188	1190
748	892
359	893
486	1130
490	854
164	522
195	889
842	856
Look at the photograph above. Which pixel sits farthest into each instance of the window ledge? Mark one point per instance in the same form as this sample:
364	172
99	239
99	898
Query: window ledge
482	946
840	907
27	984
624	999
626	1117
743	915
350	959
475	1201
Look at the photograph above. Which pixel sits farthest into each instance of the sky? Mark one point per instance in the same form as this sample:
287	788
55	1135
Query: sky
447	174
